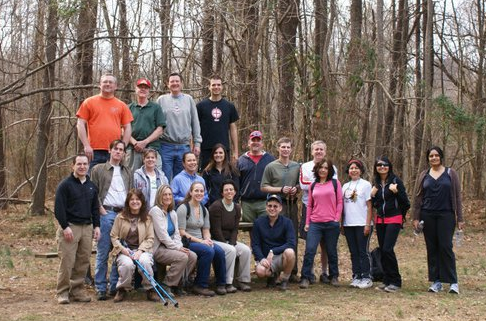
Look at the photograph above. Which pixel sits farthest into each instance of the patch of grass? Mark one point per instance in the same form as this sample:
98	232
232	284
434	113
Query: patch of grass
45	228
6	258
31	317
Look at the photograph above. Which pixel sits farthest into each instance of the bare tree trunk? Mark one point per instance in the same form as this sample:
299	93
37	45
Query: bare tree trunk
3	176
44	122
125	47
207	34
380	76
419	104
164	14
288	20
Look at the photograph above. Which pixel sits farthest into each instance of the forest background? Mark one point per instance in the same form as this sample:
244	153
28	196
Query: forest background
368	77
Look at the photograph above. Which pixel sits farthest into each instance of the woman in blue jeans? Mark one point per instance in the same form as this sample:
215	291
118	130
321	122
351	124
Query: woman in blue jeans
389	198
324	207
193	221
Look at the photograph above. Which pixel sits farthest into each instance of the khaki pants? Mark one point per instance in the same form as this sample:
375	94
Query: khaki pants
243	253
179	262
126	268
74	259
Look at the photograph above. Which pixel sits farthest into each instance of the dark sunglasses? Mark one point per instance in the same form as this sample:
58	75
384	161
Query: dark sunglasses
382	165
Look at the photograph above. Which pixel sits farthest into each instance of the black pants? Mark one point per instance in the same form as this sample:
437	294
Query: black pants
438	232
387	238
358	245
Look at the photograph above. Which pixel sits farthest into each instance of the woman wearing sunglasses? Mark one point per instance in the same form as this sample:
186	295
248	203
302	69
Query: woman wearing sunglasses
390	200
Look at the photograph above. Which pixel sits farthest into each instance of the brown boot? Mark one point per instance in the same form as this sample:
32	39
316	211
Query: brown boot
120	295
202	291
152	295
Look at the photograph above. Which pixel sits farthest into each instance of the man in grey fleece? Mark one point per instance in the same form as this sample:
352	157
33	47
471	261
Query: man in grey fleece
182	125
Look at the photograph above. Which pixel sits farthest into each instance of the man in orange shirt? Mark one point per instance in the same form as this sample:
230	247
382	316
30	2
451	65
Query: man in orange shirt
100	121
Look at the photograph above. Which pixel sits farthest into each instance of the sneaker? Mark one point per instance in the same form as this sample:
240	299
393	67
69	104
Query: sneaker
284	285
454	289
120	295
324	278
81	298
391	288
101	296
153	296
304	283
63	298
202	291
365	283
334	281
243	286
354	283
230	288
294	278
435	287
220	290
381	286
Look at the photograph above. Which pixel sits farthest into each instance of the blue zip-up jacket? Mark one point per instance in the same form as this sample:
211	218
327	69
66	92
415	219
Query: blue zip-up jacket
278	238
251	176
182	183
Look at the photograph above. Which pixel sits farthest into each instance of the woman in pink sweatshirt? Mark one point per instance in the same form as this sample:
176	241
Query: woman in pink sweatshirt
324	208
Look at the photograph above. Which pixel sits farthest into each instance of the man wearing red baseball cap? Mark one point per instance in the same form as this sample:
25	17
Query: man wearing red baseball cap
251	166
147	126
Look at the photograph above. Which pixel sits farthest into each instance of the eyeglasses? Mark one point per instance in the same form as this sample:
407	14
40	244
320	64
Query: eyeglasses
382	165
272	206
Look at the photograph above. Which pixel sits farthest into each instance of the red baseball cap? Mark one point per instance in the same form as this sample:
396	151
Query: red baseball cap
256	134
144	81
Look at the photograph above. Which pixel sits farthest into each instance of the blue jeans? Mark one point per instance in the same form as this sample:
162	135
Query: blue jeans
330	232
172	158
205	255
358	245
103	251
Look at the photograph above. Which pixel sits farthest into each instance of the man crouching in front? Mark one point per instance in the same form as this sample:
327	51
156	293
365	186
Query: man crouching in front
272	242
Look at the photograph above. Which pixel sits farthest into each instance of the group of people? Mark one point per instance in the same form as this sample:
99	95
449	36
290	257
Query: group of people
137	191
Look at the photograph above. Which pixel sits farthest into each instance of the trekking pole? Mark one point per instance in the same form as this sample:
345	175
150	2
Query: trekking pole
157	287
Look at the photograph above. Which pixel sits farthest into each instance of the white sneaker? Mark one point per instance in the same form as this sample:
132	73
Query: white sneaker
435	287
355	283
454	289
365	283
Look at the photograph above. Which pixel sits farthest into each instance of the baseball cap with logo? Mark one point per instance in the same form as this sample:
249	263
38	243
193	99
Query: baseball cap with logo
144	81
256	134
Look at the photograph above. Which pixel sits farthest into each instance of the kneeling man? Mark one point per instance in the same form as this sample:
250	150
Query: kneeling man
273	242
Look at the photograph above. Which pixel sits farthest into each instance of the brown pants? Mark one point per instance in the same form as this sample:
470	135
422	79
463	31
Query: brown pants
179	263
74	259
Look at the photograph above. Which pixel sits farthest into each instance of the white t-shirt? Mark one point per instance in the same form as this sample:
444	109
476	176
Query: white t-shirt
355	195
153	189
116	193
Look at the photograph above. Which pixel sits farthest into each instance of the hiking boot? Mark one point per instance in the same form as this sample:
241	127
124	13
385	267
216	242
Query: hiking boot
284	285
230	288
178	291
271	281
202	291
435	287
220	290
120	295
63	298
101	296
324	278
365	283
243	286
454	289
294	278
334	281
392	288
304	283
153	296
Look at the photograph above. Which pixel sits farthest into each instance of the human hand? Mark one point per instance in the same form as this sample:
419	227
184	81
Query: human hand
460	225
367	230
89	152
393	188
68	234
374	190
197	151
136	255
96	233
306	228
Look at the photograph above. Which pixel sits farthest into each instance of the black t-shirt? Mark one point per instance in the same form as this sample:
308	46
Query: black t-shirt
215	118
437	193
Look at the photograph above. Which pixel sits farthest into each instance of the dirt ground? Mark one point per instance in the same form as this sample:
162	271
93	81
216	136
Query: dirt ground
27	285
